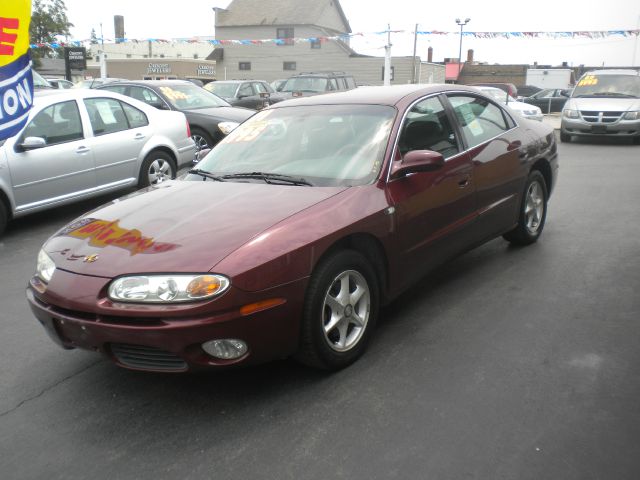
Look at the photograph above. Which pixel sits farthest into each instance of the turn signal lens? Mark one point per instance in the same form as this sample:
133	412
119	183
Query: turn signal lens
259	306
205	286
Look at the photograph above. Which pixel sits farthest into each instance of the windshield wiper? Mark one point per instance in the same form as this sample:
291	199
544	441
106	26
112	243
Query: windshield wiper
204	174
270	178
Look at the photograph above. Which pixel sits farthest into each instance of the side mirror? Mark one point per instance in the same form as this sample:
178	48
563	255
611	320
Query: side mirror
159	105
418	161
265	94
32	143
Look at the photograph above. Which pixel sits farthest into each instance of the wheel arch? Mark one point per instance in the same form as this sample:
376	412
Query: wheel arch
542	165
372	249
4	199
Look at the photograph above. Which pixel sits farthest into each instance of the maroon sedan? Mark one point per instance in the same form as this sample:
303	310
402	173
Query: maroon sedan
289	236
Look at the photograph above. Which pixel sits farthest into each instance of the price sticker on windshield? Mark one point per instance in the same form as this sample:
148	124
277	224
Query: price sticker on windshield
588	81
173	94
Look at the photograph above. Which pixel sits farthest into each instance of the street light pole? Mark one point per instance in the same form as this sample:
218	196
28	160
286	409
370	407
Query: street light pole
462	24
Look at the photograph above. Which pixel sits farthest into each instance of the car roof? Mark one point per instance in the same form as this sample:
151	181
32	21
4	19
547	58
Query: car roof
237	81
614	72
56	95
391	95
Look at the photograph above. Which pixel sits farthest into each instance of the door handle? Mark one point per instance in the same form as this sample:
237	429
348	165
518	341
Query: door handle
139	136
81	150
464	182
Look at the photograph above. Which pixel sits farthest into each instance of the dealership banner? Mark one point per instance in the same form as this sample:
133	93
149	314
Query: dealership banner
16	82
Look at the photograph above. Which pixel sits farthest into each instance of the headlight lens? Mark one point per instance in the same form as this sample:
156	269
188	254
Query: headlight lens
227	127
571	113
45	267
631	116
167	288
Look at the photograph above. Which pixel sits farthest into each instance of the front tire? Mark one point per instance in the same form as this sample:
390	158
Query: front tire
340	311
157	168
565	137
202	139
533	211
4	217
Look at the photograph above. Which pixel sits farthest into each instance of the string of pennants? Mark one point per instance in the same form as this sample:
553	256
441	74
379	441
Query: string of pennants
589	34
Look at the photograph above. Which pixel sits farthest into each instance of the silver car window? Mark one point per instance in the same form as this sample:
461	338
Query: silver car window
106	115
58	123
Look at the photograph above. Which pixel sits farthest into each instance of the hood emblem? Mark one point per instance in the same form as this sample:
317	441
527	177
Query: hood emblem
90	258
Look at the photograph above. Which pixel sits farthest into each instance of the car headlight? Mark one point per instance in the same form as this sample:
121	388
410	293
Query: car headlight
631	116
167	288
227	127
571	113
45	267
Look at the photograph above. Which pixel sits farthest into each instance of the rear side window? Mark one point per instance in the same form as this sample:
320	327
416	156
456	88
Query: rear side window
136	118
106	115
479	119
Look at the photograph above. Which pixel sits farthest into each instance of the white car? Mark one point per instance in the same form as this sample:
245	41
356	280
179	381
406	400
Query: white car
83	143
524	109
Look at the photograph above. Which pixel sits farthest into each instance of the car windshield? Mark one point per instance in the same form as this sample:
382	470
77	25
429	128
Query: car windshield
187	96
326	145
305	84
222	89
608	86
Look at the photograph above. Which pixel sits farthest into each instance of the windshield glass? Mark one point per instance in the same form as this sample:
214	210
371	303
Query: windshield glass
326	145
39	81
305	84
188	96
222	89
608	86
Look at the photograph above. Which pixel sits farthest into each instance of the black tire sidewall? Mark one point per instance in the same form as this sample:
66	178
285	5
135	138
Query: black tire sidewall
143	181
4	217
319	353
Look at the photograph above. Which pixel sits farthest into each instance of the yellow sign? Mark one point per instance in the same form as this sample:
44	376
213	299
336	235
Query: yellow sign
588	81
16	82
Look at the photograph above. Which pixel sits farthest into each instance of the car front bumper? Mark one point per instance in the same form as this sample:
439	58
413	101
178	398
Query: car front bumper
620	128
169	338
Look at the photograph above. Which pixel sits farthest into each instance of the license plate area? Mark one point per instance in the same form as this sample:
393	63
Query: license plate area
598	129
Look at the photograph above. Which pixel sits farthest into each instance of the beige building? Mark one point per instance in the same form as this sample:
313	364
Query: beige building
156	69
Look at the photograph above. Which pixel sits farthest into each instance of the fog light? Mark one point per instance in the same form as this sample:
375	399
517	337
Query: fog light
226	348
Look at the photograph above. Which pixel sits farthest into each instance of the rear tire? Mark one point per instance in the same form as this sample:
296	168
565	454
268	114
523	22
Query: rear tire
157	168
4	217
340	311
533	211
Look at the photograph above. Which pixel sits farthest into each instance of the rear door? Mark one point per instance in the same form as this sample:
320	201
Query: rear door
120	132
61	170
497	150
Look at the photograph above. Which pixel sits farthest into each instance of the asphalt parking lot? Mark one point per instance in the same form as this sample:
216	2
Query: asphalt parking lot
507	363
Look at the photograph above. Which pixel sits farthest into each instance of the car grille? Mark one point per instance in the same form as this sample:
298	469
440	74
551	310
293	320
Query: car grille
147	358
600	117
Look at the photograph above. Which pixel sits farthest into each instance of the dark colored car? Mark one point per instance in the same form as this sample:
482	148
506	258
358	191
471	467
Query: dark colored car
316	83
550	99
210	117
299	225
254	94
527	90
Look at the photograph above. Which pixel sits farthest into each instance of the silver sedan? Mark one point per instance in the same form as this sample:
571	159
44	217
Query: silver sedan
82	143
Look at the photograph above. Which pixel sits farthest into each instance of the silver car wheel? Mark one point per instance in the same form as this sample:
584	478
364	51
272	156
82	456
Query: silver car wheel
159	171
534	207
346	309
200	141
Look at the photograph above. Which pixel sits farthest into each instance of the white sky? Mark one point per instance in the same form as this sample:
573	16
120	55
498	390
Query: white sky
187	18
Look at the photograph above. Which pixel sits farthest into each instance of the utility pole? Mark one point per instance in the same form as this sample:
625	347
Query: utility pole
103	61
415	45
387	59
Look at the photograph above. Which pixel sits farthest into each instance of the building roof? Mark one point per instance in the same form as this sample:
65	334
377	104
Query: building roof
280	12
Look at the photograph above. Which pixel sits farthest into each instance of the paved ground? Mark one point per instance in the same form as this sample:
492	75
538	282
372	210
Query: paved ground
506	364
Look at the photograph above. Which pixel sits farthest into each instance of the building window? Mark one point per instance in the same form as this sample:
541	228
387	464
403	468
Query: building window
195	55
128	55
285	34
315	43
289	65
244	66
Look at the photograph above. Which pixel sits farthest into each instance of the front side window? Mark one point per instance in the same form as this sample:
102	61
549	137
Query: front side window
57	123
106	115
479	119
427	127
245	90
293	141
262	87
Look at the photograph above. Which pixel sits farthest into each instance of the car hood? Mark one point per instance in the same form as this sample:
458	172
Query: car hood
224	114
602	104
180	226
